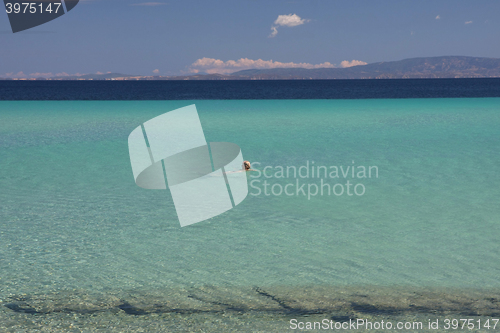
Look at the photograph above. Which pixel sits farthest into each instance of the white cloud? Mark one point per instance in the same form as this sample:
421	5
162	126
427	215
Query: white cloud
156	71
346	63
21	75
274	32
15	75
41	75
149	4
211	65
438	17
290	20
66	74
468	22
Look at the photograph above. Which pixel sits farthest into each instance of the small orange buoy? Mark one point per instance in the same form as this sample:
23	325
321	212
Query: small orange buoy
246	165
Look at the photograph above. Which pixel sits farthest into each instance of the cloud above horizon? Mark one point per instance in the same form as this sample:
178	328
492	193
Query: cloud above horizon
438	17
212	65
290	20
22	75
468	22
345	63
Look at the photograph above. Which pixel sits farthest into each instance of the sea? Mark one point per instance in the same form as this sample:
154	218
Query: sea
373	203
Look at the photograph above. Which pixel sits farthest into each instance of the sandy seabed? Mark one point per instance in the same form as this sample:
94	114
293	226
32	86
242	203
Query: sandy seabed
242	309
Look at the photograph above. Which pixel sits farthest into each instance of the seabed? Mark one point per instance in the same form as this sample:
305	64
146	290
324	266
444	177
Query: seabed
240	309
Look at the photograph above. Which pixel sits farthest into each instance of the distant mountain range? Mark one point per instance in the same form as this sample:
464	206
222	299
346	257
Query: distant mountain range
432	67
420	68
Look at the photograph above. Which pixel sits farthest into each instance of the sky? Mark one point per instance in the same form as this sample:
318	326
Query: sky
179	37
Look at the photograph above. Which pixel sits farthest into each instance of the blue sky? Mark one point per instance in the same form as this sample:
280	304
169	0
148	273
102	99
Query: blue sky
175	37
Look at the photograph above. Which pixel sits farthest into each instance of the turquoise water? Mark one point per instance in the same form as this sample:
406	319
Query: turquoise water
72	219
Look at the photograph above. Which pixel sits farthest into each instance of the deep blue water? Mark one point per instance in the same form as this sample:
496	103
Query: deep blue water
274	89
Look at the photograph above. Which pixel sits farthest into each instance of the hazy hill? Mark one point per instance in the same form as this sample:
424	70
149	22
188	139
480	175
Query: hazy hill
430	67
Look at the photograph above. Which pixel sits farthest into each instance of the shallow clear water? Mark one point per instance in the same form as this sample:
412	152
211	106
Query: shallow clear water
73	220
